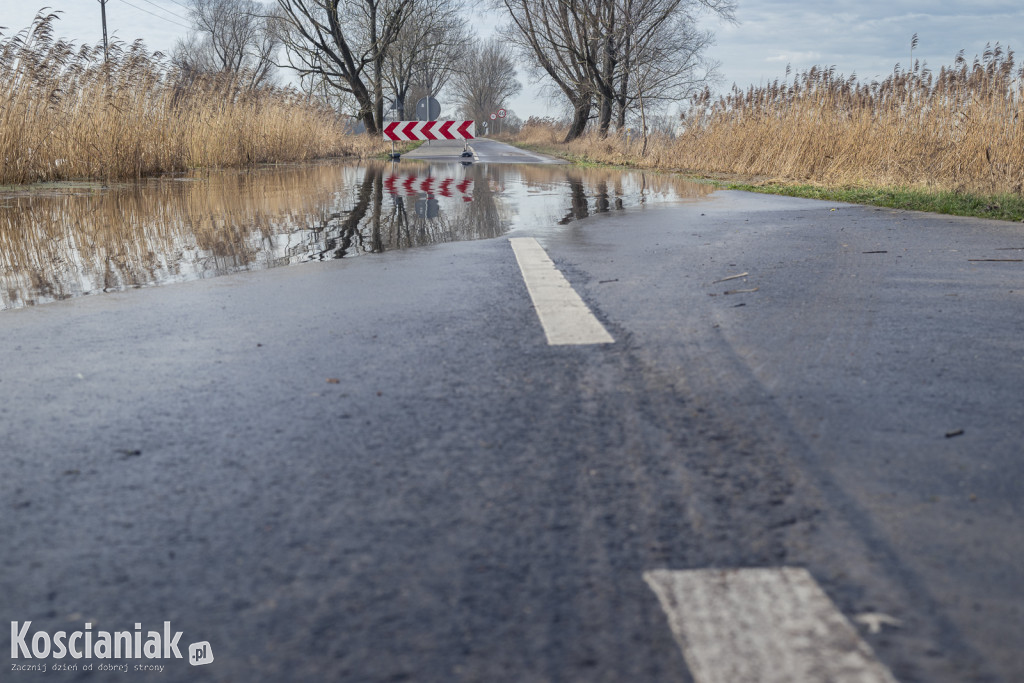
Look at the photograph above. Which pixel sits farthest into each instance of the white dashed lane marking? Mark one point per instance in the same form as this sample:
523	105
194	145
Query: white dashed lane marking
762	626
563	315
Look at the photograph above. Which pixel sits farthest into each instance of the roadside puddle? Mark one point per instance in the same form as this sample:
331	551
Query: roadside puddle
63	240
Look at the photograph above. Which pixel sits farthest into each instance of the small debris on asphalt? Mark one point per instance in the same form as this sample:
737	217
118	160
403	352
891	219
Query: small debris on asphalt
881	251
955	432
998	260
129	452
603	282
333	380
731	277
741	291
876	620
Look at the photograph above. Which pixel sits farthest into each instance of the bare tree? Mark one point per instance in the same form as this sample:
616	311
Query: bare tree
343	45
593	50
230	36
662	58
485	79
546	36
427	50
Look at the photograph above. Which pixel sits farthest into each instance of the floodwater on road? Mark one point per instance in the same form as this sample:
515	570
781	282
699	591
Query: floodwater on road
63	240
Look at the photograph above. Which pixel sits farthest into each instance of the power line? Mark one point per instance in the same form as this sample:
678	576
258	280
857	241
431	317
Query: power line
155	15
141	9
150	2
181	5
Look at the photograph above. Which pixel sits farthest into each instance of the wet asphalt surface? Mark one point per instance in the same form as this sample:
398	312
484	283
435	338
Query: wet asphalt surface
377	470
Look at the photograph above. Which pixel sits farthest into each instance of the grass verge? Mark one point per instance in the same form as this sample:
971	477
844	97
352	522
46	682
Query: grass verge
1005	207
561	152
946	140
403	148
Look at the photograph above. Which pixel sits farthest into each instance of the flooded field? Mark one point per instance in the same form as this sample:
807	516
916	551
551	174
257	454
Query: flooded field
72	239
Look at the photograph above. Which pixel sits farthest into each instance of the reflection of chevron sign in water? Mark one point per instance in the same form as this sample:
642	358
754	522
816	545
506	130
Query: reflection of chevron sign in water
412	185
429	130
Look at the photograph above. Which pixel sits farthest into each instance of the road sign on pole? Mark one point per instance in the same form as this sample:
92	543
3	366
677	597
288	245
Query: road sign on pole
428	109
430	130
501	113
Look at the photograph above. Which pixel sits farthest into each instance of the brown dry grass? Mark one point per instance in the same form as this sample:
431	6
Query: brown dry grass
65	114
960	129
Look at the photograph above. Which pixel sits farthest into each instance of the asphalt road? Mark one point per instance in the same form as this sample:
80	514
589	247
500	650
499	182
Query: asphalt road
484	151
379	470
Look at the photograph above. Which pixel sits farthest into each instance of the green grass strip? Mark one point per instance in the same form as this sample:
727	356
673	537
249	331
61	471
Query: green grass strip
401	148
1006	207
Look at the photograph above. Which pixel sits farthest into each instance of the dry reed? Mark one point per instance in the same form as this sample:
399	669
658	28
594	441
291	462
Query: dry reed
960	129
64	113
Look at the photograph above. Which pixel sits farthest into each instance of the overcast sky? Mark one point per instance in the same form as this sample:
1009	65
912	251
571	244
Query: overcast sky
864	36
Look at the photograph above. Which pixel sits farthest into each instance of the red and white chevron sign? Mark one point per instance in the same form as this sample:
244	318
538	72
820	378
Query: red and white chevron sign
411	185
429	130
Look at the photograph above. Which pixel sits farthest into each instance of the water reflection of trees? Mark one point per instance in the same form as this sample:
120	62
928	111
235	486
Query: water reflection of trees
380	221
61	241
64	241
597	190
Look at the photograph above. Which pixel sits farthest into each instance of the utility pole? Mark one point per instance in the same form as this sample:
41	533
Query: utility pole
103	13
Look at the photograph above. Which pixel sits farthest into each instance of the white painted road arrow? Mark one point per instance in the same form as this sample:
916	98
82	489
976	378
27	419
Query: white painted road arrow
762	626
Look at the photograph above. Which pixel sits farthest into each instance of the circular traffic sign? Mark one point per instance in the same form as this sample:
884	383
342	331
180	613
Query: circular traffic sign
501	113
493	116
428	109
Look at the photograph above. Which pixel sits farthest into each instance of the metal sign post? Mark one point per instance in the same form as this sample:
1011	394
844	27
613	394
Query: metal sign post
428	109
396	106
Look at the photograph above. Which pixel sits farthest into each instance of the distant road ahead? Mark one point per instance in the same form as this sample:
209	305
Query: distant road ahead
485	151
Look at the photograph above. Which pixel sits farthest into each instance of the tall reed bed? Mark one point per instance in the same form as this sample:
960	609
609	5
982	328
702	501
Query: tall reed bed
65	113
959	129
